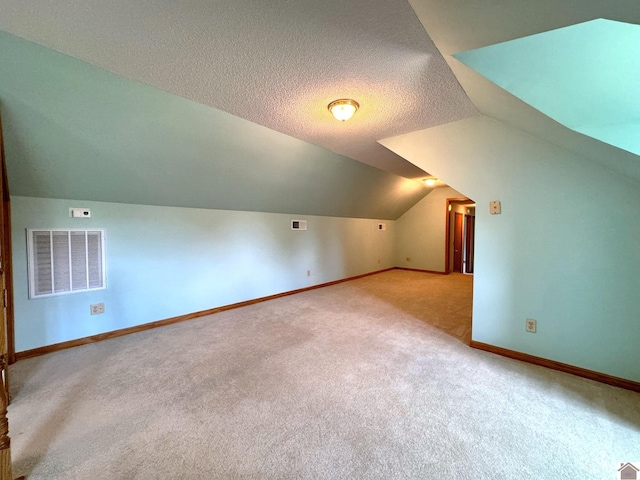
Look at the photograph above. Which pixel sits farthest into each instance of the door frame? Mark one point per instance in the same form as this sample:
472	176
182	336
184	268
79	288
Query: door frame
470	242
6	255
7	350
458	248
447	250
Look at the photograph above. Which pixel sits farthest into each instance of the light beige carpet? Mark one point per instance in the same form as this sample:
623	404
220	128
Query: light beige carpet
363	380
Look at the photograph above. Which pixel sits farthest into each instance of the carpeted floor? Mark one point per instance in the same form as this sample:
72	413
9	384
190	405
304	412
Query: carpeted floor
368	379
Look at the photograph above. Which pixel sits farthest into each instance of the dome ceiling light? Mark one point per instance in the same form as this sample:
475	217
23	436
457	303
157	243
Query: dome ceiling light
343	109
430	182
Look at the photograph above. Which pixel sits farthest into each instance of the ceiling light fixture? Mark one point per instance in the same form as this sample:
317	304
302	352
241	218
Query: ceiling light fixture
430	182
343	109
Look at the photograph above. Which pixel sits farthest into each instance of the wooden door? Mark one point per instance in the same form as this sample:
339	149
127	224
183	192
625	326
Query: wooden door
6	322
470	222
457	243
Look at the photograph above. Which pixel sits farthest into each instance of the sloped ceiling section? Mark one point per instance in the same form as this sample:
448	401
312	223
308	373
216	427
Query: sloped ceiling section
75	131
277	63
583	76
458	27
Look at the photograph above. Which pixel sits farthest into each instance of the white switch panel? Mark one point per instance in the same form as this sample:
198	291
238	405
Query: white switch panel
80	213
494	207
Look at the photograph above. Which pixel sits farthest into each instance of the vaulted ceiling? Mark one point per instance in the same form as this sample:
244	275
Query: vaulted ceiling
584	76
278	64
461	26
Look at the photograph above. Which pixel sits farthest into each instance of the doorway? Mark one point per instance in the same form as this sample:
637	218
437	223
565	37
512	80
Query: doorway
460	235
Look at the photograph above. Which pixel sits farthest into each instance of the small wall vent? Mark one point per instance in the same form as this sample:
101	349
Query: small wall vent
298	224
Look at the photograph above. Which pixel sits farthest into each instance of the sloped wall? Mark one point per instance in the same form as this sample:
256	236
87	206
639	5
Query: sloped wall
73	130
564	251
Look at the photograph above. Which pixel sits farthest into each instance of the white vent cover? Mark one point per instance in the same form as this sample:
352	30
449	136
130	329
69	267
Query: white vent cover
382	226
298	224
65	261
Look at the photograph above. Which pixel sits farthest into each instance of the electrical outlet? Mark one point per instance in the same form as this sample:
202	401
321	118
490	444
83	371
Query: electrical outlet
531	325
378	260
97	308
308	273
408	259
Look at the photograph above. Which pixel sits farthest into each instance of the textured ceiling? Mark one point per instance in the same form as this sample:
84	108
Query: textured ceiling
279	63
457	26
276	63
76	131
584	76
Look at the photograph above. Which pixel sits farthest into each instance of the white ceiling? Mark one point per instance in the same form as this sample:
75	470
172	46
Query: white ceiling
584	76
276	63
279	63
457	26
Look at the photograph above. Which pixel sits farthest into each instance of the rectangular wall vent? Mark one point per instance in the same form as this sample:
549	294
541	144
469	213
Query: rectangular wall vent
65	261
298	224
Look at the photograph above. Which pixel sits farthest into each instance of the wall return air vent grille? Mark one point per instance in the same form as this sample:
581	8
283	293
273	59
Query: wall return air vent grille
65	261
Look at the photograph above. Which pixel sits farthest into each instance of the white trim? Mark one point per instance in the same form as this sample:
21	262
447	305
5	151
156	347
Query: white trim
86	259
70	265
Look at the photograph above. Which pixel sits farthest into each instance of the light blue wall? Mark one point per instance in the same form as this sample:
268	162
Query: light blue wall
73	130
584	76
421	232
169	261
565	250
